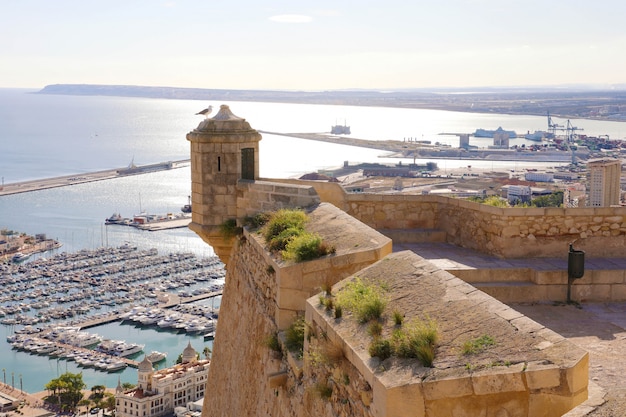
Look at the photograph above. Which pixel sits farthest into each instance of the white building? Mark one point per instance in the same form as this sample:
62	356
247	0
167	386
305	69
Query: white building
158	393
8	403
539	176
519	194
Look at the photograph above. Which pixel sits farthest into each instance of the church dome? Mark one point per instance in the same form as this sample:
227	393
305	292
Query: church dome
145	365
189	354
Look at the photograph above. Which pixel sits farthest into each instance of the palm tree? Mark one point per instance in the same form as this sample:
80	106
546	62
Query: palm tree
207	352
84	403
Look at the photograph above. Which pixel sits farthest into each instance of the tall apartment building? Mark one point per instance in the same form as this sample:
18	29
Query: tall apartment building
158	393
604	182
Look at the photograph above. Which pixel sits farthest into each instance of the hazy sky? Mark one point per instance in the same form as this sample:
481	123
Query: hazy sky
312	45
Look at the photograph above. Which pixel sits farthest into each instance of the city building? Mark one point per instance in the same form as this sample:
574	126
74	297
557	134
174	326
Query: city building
604	182
159	392
519	194
539	176
8	403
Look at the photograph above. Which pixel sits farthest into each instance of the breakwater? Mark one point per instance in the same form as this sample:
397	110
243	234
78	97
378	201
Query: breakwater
66	180
402	149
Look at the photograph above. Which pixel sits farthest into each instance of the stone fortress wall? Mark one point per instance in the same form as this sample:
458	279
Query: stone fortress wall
506	233
263	295
503	232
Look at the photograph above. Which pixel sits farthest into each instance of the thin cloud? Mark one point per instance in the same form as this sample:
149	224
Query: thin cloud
291	18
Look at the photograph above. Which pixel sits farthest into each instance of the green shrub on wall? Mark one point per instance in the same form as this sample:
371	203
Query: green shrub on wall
284	231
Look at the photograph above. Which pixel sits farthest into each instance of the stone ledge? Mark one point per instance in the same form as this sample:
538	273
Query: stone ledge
356	246
528	369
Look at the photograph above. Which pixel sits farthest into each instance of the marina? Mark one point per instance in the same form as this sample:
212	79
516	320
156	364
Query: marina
47	305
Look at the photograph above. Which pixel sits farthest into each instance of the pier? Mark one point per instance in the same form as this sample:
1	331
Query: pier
173	301
41	337
66	180
402	149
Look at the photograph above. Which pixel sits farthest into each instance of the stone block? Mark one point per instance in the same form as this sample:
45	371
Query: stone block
369	256
289	278
507	380
587	292
313	282
447	388
618	292
511	293
546	404
577	376
540	376
405	401
550	277
291	299
526	325
606	276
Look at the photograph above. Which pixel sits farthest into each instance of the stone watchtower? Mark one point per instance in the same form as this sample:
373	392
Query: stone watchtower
224	150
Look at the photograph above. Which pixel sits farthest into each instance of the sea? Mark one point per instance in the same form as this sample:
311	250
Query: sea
44	136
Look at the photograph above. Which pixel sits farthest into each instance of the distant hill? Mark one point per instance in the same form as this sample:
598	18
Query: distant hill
321	97
567	102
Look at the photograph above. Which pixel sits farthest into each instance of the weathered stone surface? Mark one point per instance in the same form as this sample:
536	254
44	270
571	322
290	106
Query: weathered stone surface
496	378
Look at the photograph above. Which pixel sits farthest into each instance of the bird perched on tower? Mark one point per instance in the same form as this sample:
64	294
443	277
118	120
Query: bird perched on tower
206	112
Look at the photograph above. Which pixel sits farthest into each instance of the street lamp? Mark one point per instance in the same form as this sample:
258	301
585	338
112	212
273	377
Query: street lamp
21	383
4	372
12	380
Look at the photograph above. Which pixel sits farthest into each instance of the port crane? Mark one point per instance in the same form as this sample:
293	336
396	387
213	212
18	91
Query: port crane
553	127
570	134
570	130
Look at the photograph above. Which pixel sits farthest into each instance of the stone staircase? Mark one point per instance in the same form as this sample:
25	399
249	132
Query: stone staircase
415	235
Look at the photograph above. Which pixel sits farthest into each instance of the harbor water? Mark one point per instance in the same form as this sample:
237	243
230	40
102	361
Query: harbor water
46	136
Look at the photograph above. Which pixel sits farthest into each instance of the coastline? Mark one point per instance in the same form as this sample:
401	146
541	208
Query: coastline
575	102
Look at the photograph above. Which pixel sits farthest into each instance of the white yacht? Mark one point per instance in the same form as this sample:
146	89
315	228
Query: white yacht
116	366
128	349
156	356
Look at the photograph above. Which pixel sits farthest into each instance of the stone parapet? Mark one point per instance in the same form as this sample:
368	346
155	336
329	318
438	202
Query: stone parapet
356	246
528	371
259	196
504	232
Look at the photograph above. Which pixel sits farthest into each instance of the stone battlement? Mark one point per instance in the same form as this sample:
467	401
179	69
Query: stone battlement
503	232
529	370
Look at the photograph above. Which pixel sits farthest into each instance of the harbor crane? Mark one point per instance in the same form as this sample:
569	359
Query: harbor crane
570	134
570	131
553	127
